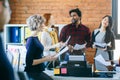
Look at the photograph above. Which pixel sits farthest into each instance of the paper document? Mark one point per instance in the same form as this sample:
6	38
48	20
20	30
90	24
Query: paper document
67	40
116	61
61	52
100	59
76	57
102	45
65	43
78	46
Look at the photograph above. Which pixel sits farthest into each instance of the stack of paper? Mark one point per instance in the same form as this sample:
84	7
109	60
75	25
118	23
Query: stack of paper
76	57
62	51
78	46
100	59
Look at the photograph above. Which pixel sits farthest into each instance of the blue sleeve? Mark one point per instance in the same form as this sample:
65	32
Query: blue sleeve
30	52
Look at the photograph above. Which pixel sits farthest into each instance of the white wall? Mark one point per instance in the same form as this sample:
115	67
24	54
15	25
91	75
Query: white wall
118	16
117	50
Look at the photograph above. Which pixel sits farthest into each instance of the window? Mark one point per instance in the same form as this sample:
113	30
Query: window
116	17
116	27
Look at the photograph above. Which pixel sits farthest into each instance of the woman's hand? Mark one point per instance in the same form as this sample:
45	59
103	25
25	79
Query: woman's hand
62	44
50	58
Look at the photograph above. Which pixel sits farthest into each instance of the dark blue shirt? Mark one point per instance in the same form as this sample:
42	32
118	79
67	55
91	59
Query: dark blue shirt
6	70
34	51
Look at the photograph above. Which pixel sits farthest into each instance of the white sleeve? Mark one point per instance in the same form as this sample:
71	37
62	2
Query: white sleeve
43	38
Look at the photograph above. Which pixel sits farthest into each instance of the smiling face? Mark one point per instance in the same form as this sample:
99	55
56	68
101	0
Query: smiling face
105	22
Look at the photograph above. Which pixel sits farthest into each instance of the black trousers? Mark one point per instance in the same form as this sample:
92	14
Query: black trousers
38	76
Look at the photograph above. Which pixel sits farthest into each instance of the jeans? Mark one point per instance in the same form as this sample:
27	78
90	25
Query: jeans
67	56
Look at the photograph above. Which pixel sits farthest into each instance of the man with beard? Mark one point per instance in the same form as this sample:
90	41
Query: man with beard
80	35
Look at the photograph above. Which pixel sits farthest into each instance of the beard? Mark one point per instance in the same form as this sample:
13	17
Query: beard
74	21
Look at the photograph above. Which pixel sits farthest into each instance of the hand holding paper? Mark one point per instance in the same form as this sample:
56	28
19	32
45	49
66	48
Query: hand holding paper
78	46
64	44
64	48
61	52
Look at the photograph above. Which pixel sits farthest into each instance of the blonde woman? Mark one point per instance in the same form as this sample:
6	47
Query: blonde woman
34	59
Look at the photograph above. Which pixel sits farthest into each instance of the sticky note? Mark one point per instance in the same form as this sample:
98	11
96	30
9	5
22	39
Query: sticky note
56	71
63	70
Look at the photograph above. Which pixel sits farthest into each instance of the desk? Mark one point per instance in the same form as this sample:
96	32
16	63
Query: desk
83	78
50	73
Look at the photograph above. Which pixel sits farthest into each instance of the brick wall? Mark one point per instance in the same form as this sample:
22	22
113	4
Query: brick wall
92	12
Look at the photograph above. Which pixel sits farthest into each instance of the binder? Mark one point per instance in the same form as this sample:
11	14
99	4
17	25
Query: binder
15	36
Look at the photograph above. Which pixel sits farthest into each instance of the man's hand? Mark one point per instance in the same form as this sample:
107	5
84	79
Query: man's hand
84	49
70	48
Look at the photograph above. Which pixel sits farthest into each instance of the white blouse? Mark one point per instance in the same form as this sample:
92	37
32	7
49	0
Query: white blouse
46	40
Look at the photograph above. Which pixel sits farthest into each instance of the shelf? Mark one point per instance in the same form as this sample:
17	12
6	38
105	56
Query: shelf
14	38
15	44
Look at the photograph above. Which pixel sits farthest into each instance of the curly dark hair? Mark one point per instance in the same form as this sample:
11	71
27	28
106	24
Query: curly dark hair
79	13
